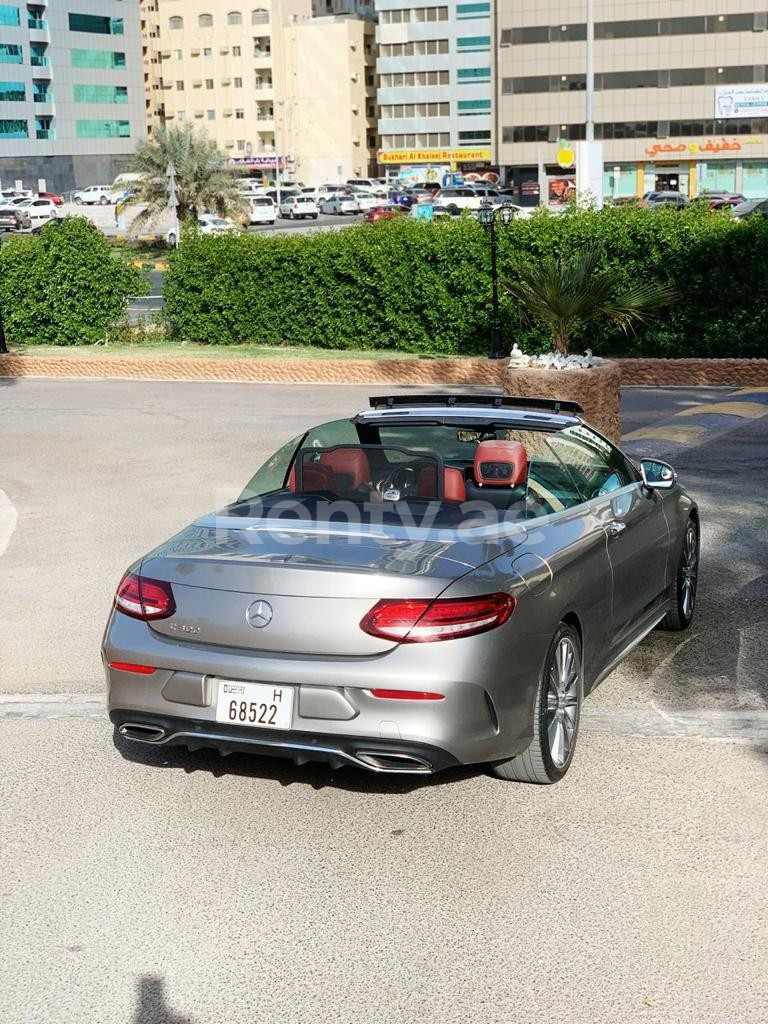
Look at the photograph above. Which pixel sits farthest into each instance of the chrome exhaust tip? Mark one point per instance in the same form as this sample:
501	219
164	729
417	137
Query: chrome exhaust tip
143	733
385	761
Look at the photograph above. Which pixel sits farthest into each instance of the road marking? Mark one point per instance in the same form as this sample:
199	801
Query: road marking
683	433
8	519
747	409
730	725
714	419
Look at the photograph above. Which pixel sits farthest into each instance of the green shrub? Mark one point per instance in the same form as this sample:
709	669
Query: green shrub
63	286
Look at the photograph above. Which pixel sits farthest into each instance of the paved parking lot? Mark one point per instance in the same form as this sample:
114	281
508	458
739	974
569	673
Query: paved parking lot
158	887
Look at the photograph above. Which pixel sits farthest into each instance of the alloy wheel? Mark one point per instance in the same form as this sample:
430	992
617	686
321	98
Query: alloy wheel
689	570
562	701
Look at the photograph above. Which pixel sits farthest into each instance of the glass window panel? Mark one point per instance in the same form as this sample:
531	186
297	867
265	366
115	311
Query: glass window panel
10	53
100	93
99	129
9	16
97	59
12	92
13	128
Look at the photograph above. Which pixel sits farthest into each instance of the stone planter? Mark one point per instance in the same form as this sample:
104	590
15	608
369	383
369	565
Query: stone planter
597	390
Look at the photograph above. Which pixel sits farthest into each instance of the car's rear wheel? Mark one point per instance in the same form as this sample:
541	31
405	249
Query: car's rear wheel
103	201
78	201
556	715
683	599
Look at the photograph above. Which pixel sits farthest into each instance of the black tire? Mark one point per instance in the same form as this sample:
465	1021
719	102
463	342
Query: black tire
172	240
453	210
78	201
683	599
103	201
314	216
556	715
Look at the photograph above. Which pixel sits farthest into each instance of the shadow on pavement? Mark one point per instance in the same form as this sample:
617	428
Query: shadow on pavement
282	770
151	1007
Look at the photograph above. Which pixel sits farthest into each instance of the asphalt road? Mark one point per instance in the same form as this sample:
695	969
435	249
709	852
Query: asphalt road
157	887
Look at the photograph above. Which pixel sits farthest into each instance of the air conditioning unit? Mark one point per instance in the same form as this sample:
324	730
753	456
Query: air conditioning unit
197	83
354	77
223	49
355	108
195	51
199	113
230	143
228	112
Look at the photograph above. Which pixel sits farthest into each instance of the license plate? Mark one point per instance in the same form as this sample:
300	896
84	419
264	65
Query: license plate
259	705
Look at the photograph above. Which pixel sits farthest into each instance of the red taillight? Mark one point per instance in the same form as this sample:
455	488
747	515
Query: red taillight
422	621
143	598
406	695
127	666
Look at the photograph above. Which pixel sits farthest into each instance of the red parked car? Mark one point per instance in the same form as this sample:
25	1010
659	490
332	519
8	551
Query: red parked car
383	213
56	200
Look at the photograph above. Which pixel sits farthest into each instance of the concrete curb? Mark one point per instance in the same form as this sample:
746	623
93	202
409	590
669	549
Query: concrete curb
448	372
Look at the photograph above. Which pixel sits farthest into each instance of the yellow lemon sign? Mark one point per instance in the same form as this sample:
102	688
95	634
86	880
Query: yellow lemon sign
565	156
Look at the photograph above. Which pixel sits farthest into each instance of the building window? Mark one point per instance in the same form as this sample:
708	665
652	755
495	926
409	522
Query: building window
637	28
479	136
97	129
41	91
211	115
180	86
414	14
10	53
96	23
205	21
207	52
100	93
408	79
416	48
236	51
209	83
394	110
473	11
12	128
238	83
10	16
474	106
176	22
181	116
424	140
469	76
260	16
177	55
97	59
234	18
239	115
12	92
473	44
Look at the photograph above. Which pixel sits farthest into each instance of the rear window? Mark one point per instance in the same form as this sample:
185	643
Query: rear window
261	202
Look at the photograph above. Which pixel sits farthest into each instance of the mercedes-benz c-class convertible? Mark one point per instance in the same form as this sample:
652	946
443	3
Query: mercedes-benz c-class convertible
435	581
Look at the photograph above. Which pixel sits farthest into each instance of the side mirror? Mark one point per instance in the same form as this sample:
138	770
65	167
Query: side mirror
657	475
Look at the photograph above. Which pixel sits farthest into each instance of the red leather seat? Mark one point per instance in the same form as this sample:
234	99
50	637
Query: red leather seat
350	467
500	464
454	488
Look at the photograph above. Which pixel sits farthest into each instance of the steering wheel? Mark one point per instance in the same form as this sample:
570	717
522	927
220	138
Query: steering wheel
402	479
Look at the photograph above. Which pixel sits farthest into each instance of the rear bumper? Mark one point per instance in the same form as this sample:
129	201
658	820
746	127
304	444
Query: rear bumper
375	755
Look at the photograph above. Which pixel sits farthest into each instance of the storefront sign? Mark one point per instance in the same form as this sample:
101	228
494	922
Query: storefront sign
430	156
741	101
565	155
255	162
711	146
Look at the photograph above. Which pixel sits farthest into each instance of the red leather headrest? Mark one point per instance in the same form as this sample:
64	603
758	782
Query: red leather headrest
454	488
314	477
351	463
500	464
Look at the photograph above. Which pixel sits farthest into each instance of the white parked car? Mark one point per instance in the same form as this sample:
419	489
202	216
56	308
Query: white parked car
261	210
322	191
460	197
366	201
38	210
366	183
339	203
101	194
211	224
295	206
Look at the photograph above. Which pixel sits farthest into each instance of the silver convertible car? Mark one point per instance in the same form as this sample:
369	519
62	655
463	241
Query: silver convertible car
436	581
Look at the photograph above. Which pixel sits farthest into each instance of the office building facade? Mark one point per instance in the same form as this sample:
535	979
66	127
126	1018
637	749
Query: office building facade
680	101
72	105
435	87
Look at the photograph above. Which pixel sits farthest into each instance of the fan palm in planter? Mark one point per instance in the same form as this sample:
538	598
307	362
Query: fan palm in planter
567	294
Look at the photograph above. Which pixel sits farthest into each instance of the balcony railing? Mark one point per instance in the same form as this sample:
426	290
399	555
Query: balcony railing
37	23
39	62
45	133
43	97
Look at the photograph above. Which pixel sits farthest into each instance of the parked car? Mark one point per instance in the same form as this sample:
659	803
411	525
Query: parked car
211	224
654	200
9	195
384	212
94	194
38	210
261	210
724	203
460	197
14	219
296	207
505	558
751	208
56	200
364	183
339	203
366	201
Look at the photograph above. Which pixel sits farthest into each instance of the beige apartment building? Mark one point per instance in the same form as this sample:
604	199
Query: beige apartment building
680	102
150	53
271	79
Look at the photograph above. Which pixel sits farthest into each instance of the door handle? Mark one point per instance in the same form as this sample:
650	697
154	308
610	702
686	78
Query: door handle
616	528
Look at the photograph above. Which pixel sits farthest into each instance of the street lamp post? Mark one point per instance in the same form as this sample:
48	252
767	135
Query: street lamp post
173	202
489	216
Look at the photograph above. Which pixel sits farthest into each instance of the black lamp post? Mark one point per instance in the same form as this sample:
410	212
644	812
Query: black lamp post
489	216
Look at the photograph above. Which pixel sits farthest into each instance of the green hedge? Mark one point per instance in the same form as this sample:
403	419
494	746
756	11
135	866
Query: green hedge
63	286
426	288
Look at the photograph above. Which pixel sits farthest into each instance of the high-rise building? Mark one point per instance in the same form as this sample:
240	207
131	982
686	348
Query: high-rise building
680	101
274	80
150	50
71	91
435	70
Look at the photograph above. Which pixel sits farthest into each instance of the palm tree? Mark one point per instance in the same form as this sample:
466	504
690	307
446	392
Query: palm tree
203	179
569	292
